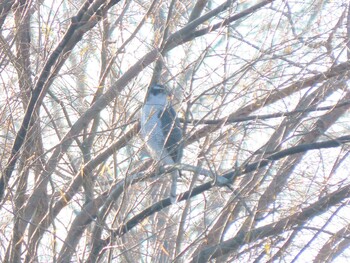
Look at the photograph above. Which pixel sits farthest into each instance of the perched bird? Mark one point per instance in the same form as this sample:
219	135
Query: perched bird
161	130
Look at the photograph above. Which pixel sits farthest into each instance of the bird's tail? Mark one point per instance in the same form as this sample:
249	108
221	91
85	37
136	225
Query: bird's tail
174	176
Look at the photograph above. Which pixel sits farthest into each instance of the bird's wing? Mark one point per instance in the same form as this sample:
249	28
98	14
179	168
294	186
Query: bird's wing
172	131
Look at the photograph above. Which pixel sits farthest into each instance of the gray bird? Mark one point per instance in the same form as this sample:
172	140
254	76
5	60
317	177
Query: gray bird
161	130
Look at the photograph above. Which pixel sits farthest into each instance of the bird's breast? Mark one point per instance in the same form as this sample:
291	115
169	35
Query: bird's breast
151	129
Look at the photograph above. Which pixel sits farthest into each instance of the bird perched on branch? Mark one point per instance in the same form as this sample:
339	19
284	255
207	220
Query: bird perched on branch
161	130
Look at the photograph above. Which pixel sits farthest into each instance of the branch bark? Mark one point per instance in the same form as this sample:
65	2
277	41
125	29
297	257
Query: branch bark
273	229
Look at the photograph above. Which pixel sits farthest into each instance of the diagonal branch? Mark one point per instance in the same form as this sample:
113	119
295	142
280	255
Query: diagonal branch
176	38
273	229
88	115
80	21
37	95
336	71
229	175
186	34
265	116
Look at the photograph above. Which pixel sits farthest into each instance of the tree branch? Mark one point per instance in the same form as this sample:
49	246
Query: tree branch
229	175
275	228
192	35
228	120
37	96
338	70
177	38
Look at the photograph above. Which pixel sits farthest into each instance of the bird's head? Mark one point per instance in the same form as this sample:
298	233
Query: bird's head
157	89
157	93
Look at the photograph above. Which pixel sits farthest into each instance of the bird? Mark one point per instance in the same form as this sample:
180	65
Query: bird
161	131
